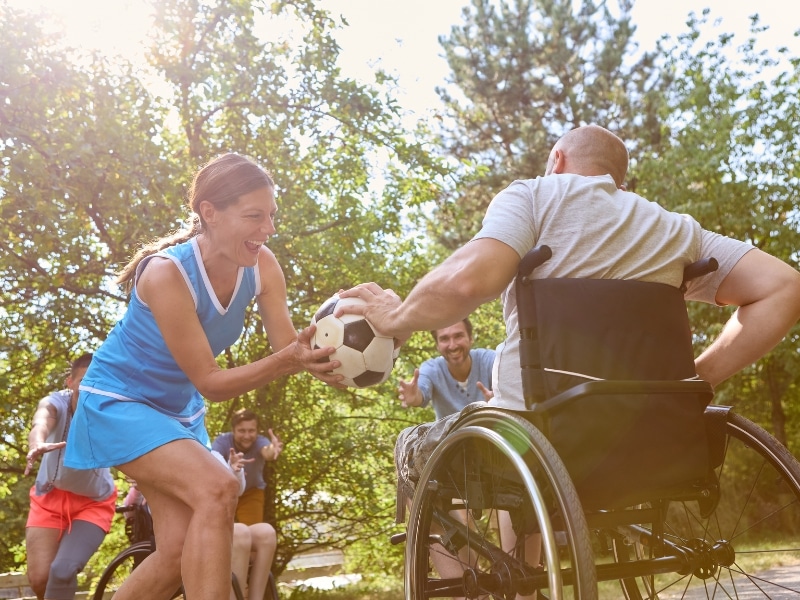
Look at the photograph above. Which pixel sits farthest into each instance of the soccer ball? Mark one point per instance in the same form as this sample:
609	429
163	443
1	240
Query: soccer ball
367	358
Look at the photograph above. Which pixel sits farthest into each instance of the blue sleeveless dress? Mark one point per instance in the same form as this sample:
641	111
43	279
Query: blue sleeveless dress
134	397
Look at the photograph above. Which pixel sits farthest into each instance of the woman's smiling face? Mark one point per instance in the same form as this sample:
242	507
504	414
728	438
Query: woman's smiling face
245	226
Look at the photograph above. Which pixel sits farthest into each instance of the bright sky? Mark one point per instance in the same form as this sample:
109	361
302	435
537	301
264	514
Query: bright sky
401	36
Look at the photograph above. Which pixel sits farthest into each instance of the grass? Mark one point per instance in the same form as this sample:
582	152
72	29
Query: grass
388	588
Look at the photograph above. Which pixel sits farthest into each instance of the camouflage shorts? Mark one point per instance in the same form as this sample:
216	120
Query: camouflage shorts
413	449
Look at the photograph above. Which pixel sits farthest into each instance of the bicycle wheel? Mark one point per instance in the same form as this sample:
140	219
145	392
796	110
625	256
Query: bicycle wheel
495	467
120	567
757	519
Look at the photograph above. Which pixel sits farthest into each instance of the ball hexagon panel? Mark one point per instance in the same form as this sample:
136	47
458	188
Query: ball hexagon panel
378	355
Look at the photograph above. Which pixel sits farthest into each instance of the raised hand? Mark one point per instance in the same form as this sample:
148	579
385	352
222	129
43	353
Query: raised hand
408	391
276	444
237	461
487	393
40	450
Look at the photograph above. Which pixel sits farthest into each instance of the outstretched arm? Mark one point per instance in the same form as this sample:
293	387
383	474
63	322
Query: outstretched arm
163	289
409	392
767	292
44	419
273	451
474	274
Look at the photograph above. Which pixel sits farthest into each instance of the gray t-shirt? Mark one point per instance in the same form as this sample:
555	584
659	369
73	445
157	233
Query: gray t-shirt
595	231
96	484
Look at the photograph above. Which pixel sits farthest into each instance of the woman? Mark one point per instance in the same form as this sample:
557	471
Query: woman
141	405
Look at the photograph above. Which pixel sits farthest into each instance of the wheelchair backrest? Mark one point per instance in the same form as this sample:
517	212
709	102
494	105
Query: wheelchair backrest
579	339
589	329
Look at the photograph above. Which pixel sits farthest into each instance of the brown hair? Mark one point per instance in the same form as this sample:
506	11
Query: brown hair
82	362
222	181
243	414
466	323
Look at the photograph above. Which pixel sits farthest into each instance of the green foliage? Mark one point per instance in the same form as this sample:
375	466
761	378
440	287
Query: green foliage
726	152
523	73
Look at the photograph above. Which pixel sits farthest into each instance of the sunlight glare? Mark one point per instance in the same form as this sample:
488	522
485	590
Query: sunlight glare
115	27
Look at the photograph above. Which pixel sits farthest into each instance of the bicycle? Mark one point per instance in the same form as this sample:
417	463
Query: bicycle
139	529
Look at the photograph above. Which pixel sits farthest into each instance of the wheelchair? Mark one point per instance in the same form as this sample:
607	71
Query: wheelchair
620	480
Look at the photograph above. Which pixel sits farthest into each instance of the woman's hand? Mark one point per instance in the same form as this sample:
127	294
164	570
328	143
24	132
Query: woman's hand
315	361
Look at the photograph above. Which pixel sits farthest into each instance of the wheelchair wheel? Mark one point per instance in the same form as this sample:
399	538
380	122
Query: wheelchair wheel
757	517
121	567
497	467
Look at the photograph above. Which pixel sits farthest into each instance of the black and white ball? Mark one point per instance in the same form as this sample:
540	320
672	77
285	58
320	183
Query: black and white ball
367	358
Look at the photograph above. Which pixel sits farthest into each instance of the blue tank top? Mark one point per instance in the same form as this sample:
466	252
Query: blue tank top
134	363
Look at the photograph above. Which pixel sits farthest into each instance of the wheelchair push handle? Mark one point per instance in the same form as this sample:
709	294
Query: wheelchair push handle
534	258
704	266
541	254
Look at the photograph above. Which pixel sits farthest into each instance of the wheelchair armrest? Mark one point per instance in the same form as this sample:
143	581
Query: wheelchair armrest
620	387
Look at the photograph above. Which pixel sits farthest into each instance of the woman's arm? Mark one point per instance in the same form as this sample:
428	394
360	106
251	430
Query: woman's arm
272	304
162	287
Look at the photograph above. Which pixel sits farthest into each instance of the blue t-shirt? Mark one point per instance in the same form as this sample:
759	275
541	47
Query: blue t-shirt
440	388
253	471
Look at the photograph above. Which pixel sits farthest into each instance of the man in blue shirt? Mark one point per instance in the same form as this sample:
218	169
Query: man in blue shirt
256	449
460	376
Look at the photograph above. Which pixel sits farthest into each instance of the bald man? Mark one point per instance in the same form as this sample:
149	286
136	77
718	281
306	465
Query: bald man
596	230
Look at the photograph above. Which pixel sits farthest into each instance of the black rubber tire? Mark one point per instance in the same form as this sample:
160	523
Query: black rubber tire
518	468
120	567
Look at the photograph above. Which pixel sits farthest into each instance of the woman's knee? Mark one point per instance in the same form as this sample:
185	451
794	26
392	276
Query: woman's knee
224	493
241	538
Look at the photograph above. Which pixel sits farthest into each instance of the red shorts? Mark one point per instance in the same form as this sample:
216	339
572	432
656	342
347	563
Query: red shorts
57	509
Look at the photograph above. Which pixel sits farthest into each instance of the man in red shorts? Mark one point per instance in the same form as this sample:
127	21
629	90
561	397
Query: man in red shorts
71	510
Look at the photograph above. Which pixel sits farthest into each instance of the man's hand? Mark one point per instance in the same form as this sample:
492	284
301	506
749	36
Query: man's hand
237	461
408	391
378	308
275	447
487	393
40	450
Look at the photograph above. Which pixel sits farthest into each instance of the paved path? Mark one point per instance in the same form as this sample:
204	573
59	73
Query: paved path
787	588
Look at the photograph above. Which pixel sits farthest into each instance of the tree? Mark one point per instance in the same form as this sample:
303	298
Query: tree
726	152
524	72
91	166
81	181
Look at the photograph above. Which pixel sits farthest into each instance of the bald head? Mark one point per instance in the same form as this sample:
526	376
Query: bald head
590	150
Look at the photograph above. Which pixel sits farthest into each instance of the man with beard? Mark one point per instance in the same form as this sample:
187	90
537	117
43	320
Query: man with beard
256	450
460	376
